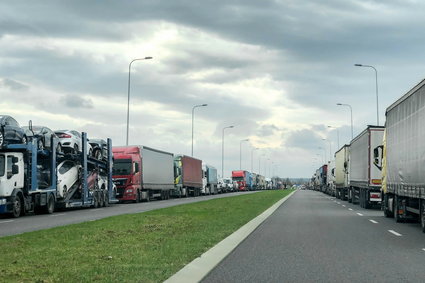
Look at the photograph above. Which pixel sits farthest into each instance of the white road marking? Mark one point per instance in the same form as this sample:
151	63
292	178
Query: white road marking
423	250
60	214
373	221
338	202
343	205
359	214
395	233
350	209
7	221
97	209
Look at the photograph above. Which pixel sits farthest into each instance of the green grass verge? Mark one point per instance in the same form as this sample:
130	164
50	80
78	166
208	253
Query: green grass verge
143	247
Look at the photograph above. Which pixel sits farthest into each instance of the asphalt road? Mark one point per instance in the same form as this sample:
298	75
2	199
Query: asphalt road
315	238
12	226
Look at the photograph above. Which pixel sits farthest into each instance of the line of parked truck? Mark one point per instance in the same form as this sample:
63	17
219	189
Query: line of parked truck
384	166
43	170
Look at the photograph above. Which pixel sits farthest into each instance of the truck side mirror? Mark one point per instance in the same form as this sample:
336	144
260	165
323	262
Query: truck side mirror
15	169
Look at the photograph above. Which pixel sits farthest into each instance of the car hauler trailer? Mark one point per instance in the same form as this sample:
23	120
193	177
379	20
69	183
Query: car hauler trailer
142	173
209	180
365	174
342	169
28	179
187	176
404	157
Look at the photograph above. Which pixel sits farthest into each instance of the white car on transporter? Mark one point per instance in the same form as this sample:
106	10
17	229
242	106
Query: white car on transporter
71	140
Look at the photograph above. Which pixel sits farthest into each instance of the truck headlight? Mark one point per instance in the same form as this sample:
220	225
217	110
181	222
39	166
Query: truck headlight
2	201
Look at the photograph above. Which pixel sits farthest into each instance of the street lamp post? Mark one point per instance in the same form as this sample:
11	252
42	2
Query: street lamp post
193	115
240	153
330	148
128	93
337	134
252	162
376	88
222	151
351	111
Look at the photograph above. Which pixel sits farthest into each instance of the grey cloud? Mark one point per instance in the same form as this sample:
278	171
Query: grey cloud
74	101
304	139
12	84
267	130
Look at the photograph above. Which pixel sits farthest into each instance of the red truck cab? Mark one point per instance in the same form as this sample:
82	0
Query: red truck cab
126	173
240	177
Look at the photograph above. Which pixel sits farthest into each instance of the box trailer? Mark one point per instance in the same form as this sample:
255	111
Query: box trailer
342	169
404	157
209	180
365	173
187	176
330	178
142	173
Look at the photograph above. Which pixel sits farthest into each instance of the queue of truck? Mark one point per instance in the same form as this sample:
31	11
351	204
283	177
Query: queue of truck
383	167
75	171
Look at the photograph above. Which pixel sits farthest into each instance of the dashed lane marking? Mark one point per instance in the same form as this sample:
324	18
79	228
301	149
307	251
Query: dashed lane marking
373	221
359	214
338	202
60	214
7	221
395	233
350	209
343	205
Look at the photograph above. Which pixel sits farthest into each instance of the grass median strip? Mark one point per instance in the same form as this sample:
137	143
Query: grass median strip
143	247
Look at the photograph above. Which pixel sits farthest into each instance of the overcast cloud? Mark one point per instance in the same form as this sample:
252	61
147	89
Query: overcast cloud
274	69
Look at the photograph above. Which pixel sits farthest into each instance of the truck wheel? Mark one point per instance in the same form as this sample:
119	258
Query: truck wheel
17	208
50	207
95	200
387	212
101	199
106	198
422	214
137	197
397	216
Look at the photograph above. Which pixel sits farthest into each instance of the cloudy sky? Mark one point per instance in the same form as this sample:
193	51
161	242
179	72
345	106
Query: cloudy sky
274	69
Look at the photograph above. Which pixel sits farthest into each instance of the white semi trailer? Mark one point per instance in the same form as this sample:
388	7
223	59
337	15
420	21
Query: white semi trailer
365	170
404	157
342	166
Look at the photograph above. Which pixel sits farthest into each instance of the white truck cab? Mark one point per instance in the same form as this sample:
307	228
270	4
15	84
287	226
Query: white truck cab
11	173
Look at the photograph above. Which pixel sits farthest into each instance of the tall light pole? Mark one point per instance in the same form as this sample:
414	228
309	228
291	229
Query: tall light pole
376	87
337	134
351	111
240	153
128	93
330	148
193	115
252	162
222	151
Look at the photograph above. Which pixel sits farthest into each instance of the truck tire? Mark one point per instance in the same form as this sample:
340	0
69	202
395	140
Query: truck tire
50	206
101	199
387	212
396	208
350	195
17	206
137	197
95	200
106	197
422	214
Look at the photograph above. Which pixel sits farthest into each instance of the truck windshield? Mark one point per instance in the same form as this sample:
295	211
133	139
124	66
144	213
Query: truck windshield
2	165
122	167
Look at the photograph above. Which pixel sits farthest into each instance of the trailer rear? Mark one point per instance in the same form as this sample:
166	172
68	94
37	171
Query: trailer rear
365	173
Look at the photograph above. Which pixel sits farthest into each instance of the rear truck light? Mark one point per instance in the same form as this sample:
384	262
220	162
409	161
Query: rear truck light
400	212
376	181
375	195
